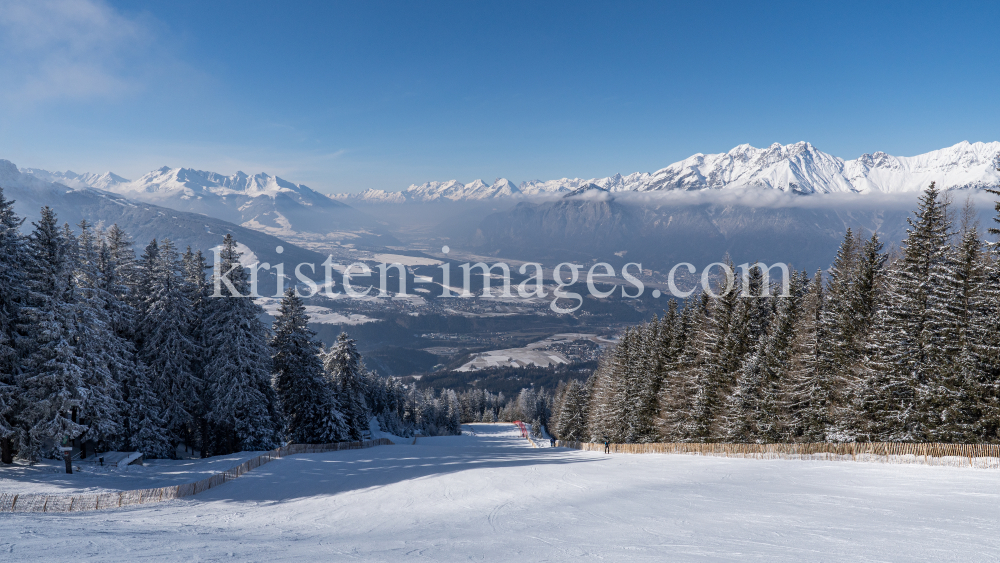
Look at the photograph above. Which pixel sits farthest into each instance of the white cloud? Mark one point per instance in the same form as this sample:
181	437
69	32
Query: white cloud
71	49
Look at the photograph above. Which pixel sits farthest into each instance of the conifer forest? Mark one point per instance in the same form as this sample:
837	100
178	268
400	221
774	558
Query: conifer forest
885	346
100	346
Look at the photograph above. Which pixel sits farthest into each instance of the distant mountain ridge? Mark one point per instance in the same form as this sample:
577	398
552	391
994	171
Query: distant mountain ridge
73	180
143	221
261	201
797	168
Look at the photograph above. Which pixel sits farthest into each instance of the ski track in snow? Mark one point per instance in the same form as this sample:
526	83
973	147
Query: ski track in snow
493	497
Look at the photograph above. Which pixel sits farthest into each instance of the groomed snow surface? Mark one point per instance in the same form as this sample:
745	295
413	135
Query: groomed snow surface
489	496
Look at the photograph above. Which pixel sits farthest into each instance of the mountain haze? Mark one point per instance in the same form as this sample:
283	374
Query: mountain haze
593	223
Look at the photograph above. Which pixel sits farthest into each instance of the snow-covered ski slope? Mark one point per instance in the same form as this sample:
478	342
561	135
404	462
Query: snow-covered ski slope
492	497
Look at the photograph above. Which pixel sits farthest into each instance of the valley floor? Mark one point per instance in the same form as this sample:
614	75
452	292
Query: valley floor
490	496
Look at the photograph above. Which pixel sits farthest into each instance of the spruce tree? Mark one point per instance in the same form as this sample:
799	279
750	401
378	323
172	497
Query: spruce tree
146	424
985	328
837	315
911	343
198	291
850	363
53	384
634	386
681	384
959	389
13	260
806	412
754	406
573	413
719	360
600	393
168	348
344	368
624	398
312	413
242	411
106	359
124	276
750	320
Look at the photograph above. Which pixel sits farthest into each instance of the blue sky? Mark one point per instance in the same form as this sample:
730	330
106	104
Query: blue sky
347	96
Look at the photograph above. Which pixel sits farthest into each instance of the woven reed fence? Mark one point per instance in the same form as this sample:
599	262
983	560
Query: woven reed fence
982	456
10	502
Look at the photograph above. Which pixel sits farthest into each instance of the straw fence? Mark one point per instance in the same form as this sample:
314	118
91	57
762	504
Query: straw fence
982	456
77	503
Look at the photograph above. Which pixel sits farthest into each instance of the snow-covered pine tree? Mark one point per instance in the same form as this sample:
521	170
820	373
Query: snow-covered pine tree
198	291
837	314
107	360
120	246
957	391
912	345
125	277
723	348
666	349
625	399
13	260
53	379
884	401
867	289
411	407
849	362
749	323
662	342
386	399
599	391
647	372
453	413
681	384
146	425
573	412
391	413
839	349
557	403
122	275
168	348
526	403
754	414
427	415
985	324
312	412
628	395
805	392
144	272
243	410
344	368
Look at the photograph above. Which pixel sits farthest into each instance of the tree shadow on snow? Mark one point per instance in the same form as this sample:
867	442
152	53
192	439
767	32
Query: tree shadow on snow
317	475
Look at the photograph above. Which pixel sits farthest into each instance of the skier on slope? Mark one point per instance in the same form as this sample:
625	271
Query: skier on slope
607	445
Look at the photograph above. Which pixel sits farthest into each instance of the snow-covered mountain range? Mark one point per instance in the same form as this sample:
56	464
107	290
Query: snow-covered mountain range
32	190
796	168
261	202
71	179
264	201
452	190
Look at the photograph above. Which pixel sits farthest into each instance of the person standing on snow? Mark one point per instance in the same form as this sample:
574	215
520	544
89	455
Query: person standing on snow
607	446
